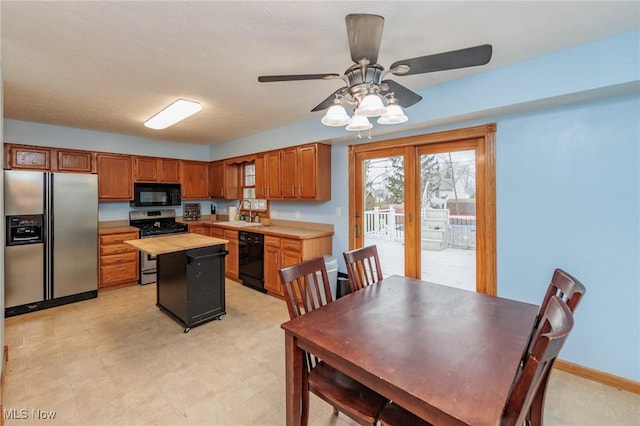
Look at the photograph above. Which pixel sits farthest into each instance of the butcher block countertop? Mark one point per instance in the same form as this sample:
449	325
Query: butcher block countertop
277	228
172	243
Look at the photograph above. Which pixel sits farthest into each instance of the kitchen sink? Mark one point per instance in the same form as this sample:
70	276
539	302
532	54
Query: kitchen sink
239	223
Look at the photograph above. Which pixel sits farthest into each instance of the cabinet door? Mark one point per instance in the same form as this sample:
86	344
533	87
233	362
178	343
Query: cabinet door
146	169
289	171
32	158
115	174
216	232
307	172
231	181
169	170
231	261
74	161
274	187
216	179
261	176
272	264
195	180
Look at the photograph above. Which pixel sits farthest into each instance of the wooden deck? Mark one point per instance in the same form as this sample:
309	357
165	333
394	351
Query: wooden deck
449	266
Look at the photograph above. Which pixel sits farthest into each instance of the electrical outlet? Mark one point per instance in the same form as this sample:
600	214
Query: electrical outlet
297	214
274	213
338	211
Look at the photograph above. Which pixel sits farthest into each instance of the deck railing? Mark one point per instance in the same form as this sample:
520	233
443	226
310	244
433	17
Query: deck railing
388	224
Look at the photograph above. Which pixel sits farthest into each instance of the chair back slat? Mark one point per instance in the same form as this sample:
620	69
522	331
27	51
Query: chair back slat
555	324
363	267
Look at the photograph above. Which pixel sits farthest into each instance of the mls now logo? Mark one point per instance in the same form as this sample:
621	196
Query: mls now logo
23	414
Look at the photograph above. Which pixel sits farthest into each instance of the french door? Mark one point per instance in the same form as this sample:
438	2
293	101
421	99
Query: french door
428	203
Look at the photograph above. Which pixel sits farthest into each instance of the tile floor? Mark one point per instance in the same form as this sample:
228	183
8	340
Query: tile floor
118	360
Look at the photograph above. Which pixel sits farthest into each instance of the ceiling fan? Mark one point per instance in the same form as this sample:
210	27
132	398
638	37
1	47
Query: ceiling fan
366	84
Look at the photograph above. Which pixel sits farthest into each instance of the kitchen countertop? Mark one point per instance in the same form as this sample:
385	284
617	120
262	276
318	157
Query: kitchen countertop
276	229
172	243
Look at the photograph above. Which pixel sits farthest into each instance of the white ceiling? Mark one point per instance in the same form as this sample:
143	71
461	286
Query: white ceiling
110	65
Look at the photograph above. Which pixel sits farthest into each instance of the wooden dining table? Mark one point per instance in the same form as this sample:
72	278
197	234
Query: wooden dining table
445	354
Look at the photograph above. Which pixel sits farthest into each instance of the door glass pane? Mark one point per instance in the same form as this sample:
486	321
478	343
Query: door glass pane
384	211
448	214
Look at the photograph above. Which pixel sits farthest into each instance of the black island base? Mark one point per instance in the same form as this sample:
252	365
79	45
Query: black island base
190	285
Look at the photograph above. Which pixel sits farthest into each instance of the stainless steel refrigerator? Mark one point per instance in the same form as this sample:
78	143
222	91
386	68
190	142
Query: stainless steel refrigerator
51	245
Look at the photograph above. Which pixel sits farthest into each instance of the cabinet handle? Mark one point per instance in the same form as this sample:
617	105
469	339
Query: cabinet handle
300	190
293	189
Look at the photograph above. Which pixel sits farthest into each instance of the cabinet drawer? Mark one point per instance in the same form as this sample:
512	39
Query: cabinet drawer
112	274
216	232
295	245
230	235
272	241
118	238
117	249
118	258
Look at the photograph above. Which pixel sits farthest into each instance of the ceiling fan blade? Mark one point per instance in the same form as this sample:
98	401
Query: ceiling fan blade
463	58
294	77
405	97
329	101
365	35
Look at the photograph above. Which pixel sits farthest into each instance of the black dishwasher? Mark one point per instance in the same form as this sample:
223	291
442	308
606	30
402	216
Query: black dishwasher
251	259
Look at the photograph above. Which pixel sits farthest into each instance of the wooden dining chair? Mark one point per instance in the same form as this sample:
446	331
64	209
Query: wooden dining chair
363	267
570	291
306	287
555	324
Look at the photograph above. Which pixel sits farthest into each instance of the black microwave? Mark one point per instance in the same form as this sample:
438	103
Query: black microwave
156	194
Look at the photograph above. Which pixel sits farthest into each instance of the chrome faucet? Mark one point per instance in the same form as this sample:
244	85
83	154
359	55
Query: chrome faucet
250	208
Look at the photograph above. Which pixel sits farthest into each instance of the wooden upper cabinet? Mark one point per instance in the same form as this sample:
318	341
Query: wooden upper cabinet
151	169
74	161
194	179
169	170
261	176
216	179
28	157
223	180
146	169
273	174
289	170
54	159
115	173
306	172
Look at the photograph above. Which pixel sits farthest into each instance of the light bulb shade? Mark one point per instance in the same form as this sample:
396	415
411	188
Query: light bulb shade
371	106
394	115
359	122
336	116
177	111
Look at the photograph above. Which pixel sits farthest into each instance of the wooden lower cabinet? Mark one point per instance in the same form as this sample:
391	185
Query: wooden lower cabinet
199	229
216	232
280	252
118	261
231	261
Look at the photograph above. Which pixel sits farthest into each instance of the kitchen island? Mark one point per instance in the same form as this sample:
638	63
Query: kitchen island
190	283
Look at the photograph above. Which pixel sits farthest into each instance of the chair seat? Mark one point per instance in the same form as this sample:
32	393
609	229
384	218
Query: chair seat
347	395
394	415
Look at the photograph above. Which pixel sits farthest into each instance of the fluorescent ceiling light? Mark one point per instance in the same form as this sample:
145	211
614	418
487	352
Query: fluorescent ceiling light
177	111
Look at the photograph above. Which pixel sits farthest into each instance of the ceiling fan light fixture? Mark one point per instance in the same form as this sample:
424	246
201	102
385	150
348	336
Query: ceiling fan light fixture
177	111
358	123
394	115
371	106
336	116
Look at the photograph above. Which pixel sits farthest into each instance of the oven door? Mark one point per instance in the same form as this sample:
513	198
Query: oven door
147	268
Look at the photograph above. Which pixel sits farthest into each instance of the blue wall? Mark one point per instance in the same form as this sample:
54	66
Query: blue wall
568	180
